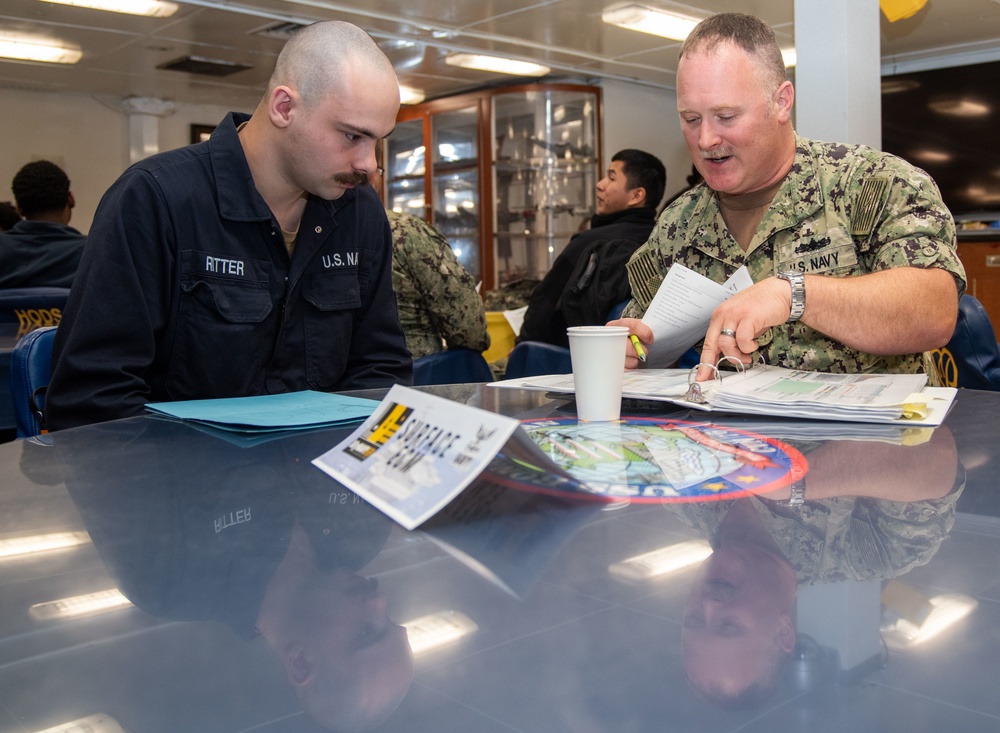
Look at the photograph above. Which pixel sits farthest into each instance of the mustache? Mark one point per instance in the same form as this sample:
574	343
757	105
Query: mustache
715	154
358	178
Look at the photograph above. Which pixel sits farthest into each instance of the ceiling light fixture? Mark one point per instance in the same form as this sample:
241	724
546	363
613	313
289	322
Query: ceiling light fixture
438	629
790	57
97	723
149	8
960	107
946	611
409	95
24	49
647	20
32	544
661	561
76	606
496	64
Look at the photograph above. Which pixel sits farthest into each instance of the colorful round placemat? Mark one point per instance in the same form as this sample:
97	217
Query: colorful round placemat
663	460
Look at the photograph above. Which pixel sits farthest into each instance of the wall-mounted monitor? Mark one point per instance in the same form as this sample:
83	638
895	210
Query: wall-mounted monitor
947	121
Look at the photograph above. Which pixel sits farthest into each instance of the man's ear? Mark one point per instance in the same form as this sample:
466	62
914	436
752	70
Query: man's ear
280	106
298	666
637	197
786	634
784	98
71	200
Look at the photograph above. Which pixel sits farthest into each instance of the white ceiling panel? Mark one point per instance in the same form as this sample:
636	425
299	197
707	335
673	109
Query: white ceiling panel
122	53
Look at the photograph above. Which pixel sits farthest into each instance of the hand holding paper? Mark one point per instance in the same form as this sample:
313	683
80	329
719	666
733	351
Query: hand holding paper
682	309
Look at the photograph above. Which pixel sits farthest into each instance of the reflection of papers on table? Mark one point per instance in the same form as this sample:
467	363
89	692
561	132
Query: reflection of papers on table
418	452
682	308
637	383
508	537
264	413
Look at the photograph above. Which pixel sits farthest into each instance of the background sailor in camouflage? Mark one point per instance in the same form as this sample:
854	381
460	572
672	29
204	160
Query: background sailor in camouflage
435	295
868	231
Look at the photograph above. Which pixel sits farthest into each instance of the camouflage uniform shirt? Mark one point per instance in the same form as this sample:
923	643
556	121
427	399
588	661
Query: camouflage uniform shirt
844	538
841	211
436	297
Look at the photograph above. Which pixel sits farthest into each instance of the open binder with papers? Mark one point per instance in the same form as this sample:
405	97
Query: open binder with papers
903	399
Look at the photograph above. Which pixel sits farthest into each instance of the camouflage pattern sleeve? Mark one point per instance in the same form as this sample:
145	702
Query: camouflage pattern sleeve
913	227
437	299
841	211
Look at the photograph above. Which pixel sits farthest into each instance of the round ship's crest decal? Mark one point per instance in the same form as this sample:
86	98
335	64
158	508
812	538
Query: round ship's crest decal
661	460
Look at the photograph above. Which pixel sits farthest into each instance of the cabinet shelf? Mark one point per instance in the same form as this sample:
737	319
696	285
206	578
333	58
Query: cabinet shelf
512	169
452	167
542	165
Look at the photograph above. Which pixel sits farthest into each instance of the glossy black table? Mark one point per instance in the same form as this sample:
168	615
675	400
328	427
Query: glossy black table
256	593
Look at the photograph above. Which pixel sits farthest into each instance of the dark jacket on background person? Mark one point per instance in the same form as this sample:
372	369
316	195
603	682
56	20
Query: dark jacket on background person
37	254
551	307
187	291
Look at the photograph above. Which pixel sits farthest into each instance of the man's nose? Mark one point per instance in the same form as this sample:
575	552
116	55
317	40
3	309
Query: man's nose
708	137
718	591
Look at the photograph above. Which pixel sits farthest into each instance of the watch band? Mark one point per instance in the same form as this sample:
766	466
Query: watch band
797	496
797	281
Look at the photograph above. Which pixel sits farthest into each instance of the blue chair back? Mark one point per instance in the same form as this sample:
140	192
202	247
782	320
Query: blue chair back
615	313
971	359
25	309
30	371
452	366
534	358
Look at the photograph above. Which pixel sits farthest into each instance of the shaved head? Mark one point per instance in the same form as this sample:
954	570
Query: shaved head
315	58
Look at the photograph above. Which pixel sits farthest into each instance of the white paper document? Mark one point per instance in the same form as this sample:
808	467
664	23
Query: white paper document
898	399
682	308
417	452
639	383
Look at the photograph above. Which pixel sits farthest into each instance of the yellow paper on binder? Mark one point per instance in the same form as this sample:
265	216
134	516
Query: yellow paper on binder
915	406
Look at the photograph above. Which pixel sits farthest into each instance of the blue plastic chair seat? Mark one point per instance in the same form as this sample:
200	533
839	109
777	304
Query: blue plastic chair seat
453	366
971	359
533	358
30	371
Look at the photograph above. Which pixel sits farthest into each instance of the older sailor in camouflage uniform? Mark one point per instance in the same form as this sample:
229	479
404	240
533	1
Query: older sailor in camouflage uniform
436	297
851	250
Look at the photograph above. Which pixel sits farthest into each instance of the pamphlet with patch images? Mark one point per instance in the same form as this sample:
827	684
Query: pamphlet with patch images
417	452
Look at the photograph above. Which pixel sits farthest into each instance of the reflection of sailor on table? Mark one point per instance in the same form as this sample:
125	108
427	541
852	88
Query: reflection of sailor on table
194	528
865	511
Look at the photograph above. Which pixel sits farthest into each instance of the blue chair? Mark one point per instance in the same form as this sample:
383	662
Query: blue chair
25	309
971	359
22	310
533	358
30	371
452	366
615	313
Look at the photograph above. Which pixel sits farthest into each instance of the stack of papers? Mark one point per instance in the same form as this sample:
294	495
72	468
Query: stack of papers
796	393
902	399
266	413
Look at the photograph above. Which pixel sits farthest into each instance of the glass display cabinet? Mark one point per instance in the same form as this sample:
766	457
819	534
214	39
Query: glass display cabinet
545	168
506	175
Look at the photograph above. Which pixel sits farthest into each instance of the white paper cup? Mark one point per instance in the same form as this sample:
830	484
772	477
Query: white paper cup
598	355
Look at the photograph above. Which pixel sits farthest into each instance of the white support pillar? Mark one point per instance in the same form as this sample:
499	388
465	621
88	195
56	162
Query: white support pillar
144	115
837	74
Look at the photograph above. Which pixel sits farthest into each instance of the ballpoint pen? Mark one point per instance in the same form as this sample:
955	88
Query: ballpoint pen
639	351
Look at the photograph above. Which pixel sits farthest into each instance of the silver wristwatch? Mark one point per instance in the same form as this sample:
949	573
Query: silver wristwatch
798	282
797	497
